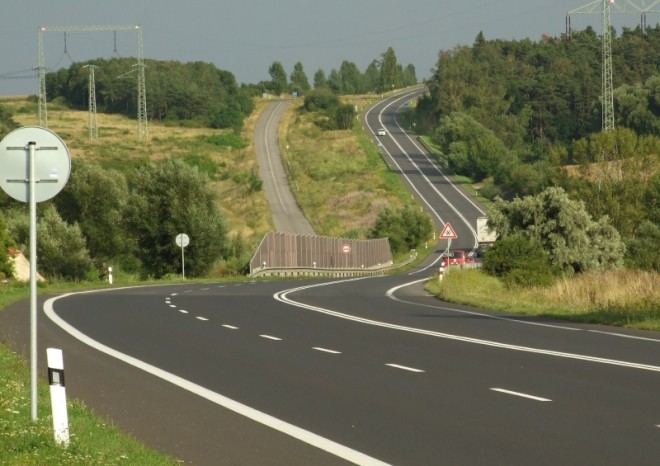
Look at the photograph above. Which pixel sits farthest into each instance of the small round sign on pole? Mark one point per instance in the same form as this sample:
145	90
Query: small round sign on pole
182	240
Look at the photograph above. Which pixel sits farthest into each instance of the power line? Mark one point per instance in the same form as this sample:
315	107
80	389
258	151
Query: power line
605	6
142	97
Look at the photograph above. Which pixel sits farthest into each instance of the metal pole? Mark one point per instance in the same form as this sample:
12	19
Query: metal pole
183	263
33	284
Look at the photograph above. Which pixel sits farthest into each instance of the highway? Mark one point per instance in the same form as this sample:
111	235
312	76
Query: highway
444	200
359	371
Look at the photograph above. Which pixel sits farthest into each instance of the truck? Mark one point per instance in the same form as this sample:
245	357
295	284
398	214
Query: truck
485	236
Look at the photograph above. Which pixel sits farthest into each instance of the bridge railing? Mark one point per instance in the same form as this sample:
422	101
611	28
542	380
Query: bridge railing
289	251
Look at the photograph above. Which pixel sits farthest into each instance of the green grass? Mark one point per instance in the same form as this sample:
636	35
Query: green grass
27	442
624	298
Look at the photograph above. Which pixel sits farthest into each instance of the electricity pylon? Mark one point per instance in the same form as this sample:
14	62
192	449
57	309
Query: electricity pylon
142	96
607	92
93	127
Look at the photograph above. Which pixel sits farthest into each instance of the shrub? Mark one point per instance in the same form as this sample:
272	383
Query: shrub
519	261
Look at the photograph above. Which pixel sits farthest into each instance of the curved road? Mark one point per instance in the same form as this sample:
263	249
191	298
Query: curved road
364	371
287	216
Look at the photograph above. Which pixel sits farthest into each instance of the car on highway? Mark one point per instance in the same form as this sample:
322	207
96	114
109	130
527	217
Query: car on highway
453	257
382	132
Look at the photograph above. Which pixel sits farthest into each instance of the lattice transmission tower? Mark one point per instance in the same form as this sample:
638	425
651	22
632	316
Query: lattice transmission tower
605	8
141	86
93	126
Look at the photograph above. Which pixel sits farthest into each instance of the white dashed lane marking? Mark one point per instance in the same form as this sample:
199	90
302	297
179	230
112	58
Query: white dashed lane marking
230	327
522	395
405	368
325	350
201	318
183	311
270	337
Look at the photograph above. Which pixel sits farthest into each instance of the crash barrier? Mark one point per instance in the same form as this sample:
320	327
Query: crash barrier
292	254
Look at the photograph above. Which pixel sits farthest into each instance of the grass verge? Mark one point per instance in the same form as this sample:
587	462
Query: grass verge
93	440
624	298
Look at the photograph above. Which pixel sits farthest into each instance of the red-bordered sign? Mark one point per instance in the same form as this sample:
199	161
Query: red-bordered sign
448	232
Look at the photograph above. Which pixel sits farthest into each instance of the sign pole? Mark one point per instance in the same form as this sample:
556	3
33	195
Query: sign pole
33	283
183	263
45	178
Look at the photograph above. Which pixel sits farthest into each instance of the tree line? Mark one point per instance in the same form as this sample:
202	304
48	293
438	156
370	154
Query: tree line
381	75
106	217
519	117
196	93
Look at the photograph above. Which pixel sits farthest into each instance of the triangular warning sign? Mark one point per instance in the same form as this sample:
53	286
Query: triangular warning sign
448	232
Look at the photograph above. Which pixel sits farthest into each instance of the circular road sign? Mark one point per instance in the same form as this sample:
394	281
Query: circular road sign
52	163
182	240
346	248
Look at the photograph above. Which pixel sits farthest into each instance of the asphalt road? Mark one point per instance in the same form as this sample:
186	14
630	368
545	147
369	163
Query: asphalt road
364	371
337	372
444	200
287	216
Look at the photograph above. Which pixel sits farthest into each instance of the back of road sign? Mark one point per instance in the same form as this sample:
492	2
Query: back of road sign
52	163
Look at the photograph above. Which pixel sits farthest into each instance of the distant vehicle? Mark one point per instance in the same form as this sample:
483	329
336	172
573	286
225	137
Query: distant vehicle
454	257
486	237
382	132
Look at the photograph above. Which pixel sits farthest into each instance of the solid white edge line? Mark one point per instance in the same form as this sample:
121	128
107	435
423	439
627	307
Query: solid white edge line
522	395
405	368
391	291
281	296
303	435
621	335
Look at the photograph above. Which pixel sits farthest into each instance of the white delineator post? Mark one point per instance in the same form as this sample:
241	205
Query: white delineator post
58	395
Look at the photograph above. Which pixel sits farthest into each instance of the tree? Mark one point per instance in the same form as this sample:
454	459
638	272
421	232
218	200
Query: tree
351	78
321	99
169	198
406	228
320	79
278	83
472	149
299	81
389	71
95	199
344	115
573	241
517	260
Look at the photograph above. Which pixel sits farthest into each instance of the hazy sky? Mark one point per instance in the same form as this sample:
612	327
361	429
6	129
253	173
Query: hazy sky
246	36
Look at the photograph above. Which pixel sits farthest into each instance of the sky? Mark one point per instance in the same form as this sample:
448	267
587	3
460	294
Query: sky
245	37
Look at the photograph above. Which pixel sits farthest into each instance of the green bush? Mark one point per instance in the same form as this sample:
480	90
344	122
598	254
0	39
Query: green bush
519	261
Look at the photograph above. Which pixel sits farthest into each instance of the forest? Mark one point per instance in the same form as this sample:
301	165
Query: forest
517	117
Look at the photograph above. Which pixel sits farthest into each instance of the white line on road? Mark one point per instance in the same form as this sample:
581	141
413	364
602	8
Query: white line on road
201	318
282	296
522	395
325	350
269	337
315	440
614	334
183	311
205	289
172	305
405	368
230	327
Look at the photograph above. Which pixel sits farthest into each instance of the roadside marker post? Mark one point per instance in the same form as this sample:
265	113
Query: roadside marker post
58	396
